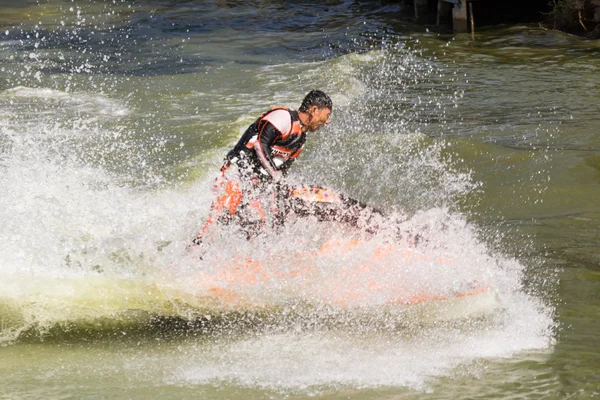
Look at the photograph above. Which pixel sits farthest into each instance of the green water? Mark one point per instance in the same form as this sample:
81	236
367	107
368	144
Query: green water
114	120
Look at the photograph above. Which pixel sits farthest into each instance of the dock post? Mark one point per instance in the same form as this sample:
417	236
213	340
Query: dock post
459	17
420	8
472	18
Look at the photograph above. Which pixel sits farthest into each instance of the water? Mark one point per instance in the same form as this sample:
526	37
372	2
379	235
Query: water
116	116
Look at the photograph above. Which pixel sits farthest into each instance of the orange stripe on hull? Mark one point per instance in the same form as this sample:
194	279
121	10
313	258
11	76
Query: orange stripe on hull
349	286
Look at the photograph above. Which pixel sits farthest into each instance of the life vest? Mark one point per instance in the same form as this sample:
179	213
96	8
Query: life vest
288	144
285	141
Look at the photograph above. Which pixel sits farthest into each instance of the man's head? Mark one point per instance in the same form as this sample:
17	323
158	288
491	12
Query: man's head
317	107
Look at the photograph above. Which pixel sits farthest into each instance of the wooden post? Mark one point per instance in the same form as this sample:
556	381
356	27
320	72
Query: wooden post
472	20
420	8
459	17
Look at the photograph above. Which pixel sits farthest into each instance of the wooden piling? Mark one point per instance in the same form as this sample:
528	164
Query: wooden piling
462	12
472	20
420	8
459	17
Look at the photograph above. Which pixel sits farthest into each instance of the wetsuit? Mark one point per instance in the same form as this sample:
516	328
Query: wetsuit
270	145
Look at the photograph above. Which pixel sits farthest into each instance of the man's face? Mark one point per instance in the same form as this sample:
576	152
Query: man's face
319	118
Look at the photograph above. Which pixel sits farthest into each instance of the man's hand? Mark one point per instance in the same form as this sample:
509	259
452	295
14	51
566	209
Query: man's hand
277	176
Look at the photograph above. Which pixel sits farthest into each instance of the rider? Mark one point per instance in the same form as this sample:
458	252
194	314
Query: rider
264	154
272	143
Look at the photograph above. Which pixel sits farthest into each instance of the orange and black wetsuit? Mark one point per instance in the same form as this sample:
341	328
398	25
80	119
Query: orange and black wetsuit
270	145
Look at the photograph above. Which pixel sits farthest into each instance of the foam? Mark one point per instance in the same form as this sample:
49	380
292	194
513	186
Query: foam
95	104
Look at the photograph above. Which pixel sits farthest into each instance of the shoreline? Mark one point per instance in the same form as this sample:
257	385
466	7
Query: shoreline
577	17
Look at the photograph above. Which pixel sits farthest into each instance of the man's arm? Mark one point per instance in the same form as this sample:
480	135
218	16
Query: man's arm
267	134
286	165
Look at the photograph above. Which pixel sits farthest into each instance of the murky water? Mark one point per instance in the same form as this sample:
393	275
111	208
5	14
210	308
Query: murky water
114	120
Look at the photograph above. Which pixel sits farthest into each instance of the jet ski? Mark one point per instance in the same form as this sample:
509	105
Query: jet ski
347	272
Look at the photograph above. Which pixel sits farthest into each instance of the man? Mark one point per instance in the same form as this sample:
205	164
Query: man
263	155
272	143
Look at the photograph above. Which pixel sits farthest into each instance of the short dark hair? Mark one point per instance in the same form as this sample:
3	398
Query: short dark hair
316	98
